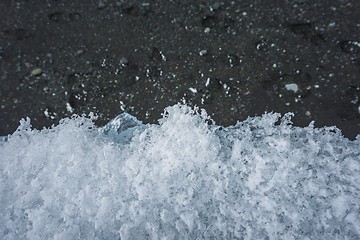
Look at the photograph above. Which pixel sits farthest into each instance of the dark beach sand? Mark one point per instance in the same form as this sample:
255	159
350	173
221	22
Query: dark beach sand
235	59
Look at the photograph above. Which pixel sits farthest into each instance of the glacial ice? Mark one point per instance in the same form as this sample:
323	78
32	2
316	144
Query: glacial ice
184	178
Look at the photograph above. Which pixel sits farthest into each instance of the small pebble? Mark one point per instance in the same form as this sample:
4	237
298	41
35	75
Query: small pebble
124	61
215	6
308	113
101	5
50	58
36	72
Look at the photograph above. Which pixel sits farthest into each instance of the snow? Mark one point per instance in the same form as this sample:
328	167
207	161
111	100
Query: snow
193	90
184	178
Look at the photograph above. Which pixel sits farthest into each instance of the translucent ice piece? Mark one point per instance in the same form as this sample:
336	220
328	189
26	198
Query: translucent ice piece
122	127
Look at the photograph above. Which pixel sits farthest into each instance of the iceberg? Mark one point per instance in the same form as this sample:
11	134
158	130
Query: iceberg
183	178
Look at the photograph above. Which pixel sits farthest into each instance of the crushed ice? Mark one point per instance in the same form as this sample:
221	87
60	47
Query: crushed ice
184	178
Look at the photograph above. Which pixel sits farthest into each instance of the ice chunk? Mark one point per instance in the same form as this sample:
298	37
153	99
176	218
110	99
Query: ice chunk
292	87
184	178
121	128
203	52
3	139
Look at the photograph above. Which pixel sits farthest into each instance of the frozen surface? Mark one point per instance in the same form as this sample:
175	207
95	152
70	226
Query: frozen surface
185	178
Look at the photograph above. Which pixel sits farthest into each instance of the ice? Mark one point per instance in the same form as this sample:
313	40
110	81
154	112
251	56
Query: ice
292	87
184	178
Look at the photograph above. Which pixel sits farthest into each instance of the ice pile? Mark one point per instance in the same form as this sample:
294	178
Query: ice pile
184	178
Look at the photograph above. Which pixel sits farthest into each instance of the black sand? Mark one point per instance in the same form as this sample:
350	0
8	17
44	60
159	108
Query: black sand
233	58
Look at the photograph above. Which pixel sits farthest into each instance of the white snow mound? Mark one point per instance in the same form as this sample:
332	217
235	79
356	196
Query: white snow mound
184	178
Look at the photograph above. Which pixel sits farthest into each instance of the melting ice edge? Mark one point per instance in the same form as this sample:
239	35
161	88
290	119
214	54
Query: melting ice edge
184	178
